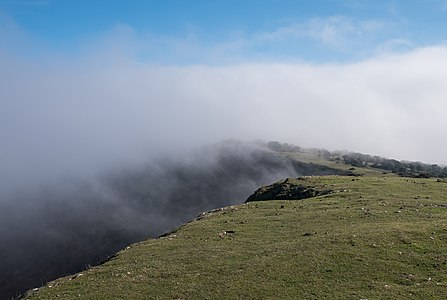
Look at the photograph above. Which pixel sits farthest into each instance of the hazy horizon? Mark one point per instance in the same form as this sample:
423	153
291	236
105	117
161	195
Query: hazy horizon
93	93
87	86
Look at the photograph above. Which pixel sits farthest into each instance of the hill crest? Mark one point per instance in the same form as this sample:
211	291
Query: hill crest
371	237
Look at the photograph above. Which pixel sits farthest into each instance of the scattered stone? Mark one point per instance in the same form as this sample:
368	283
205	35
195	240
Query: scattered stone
225	232
76	276
172	236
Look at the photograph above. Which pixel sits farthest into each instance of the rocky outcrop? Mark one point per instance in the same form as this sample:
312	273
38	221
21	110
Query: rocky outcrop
287	189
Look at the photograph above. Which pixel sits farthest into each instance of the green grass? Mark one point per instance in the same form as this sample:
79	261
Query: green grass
307	157
374	237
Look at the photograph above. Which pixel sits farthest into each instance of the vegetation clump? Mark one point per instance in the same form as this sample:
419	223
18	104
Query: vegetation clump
286	190
402	168
355	159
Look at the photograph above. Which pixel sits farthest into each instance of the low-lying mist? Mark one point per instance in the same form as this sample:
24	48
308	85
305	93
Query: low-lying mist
81	136
65	226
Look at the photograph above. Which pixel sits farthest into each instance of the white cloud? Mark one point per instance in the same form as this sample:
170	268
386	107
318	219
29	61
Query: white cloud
328	37
394	46
336	34
335	31
81	115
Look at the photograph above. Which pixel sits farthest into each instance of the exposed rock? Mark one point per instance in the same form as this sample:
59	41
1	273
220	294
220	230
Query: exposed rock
286	190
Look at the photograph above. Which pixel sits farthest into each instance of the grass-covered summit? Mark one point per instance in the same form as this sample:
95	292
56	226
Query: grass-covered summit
368	237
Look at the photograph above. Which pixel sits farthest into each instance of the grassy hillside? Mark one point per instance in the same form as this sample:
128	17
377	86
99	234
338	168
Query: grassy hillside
369	237
74	223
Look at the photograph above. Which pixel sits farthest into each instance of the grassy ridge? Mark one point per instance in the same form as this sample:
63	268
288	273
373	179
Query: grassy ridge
373	237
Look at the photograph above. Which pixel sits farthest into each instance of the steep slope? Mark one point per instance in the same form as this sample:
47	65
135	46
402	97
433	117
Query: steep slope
59	229
370	237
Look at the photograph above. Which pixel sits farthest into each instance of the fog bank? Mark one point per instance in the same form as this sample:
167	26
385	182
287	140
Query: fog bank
63	227
81	137
64	118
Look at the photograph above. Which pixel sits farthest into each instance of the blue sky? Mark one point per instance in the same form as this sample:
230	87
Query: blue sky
171	32
85	84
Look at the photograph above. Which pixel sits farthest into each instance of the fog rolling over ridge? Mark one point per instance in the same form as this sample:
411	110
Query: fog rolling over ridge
79	177
81	135
64	226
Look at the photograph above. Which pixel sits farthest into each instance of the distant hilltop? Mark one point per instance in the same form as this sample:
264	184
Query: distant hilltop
75	223
355	159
